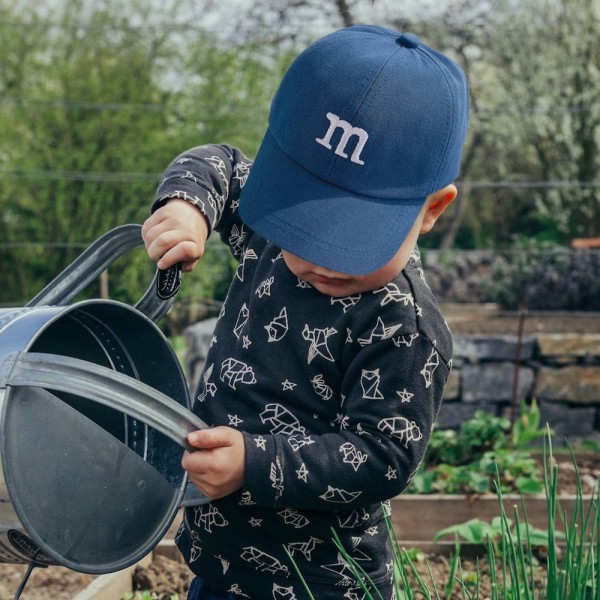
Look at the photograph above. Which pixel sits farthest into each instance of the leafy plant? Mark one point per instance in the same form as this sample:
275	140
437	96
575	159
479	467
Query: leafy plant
527	427
465	461
477	531
541	276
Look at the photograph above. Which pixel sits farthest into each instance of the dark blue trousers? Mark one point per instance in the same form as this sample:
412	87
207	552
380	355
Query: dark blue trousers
199	590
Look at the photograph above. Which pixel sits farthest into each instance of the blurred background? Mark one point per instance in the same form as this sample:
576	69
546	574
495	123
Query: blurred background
96	98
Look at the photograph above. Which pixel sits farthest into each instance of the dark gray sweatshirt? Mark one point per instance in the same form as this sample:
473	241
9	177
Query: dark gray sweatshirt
336	398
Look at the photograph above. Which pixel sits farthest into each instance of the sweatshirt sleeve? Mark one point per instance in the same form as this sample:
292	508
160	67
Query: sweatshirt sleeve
392	392
211	178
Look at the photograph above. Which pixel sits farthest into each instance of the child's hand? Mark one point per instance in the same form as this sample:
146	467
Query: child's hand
175	233
217	467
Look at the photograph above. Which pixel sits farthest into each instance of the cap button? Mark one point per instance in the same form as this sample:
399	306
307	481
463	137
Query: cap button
408	40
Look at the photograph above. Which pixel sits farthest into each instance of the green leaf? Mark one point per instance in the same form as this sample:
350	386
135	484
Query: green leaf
526	485
474	531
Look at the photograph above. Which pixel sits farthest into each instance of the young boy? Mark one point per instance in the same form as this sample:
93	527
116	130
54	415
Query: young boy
329	359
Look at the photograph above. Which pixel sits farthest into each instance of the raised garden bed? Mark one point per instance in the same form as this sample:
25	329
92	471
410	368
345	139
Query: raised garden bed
417	518
488	319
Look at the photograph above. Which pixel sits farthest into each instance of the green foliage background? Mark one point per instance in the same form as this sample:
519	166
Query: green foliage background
97	98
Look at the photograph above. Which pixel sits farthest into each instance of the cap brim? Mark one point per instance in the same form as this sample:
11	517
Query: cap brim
319	222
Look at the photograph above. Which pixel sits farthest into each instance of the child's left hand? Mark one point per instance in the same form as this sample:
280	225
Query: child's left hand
217	467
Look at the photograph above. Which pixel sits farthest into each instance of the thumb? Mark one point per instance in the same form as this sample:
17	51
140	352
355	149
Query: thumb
208	439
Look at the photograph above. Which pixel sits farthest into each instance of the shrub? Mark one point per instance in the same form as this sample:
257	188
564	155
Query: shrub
541	277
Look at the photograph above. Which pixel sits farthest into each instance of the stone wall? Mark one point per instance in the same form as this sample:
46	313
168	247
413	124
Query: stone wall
561	371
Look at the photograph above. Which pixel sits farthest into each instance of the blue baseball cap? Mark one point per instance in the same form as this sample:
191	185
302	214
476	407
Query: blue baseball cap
365	125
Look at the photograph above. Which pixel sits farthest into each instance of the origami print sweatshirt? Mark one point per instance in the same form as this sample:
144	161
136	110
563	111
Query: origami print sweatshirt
336	398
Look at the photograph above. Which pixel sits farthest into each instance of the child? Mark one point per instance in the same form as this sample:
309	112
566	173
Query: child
328	362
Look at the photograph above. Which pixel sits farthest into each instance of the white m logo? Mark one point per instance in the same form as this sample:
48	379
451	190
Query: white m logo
348	131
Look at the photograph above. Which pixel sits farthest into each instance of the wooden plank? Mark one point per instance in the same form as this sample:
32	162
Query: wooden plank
592	242
418	518
112	586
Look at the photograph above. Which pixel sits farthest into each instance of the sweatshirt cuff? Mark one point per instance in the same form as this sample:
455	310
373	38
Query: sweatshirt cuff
263	475
181	193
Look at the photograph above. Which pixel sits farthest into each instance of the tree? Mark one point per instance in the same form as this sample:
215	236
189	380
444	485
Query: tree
547	56
531	162
286	23
105	99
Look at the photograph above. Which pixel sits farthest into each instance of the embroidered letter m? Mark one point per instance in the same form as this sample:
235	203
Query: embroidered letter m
347	132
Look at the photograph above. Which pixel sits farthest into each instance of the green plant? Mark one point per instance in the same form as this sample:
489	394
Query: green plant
483	432
571	573
518	472
465	461
543	276
476	531
527	427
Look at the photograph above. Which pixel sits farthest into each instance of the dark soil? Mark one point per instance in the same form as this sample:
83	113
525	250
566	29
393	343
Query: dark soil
164	577
434	569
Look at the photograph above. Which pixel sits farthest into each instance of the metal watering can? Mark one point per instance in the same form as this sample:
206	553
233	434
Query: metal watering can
94	414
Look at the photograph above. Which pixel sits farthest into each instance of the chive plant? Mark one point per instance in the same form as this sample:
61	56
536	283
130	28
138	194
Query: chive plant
572	564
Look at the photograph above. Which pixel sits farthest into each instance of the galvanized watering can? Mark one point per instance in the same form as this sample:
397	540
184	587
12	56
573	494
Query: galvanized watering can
94	414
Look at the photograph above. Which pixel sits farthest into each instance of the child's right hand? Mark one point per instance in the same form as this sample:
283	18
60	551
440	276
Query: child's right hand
176	233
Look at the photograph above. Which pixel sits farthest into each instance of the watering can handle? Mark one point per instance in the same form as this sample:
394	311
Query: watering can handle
105	386
155	303
110	388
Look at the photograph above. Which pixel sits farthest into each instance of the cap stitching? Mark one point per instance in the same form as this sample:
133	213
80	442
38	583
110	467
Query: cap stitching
374	81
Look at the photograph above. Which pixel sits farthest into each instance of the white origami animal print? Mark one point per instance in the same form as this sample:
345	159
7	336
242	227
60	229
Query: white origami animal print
379	332
234	371
281	420
264	562
431	365
402	429
369	382
318	342
278	327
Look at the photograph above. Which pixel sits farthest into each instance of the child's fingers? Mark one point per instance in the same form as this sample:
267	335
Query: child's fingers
186	252
209	439
216	468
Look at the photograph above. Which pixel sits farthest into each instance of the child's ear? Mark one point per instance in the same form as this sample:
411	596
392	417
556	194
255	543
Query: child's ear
437	204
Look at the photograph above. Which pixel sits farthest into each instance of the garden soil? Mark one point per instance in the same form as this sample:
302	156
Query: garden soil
165	577
488	320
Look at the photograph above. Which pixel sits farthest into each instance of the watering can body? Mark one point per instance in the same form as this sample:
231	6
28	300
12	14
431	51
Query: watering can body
94	414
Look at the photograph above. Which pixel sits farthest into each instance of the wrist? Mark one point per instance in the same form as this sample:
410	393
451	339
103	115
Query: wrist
191	209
